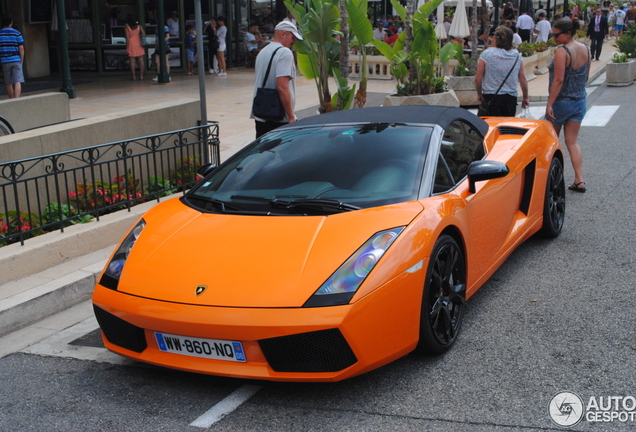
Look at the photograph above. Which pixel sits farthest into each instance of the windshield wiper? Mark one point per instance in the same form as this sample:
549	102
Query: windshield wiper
250	198
224	206
328	205
319	204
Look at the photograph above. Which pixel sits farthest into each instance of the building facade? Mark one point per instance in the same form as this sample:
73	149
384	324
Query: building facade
96	41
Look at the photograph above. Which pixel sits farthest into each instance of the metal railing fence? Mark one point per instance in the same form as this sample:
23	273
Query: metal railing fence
49	192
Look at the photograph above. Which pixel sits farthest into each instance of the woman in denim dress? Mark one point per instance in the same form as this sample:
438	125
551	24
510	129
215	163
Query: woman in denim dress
569	72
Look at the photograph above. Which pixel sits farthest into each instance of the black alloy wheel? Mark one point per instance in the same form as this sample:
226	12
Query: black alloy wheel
444	297
554	204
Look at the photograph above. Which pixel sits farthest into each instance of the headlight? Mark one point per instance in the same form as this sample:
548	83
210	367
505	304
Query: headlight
110	278
344	283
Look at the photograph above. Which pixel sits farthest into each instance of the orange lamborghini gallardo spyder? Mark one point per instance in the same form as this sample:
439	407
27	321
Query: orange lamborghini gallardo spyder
333	245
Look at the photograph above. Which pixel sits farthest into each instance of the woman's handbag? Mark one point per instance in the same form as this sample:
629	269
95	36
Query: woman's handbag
267	104
486	102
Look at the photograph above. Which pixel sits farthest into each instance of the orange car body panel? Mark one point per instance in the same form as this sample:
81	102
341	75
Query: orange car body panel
258	279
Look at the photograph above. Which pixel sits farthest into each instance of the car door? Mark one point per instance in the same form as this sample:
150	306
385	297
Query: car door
490	211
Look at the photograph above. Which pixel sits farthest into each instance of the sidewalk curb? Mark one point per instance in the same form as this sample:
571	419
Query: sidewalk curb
31	306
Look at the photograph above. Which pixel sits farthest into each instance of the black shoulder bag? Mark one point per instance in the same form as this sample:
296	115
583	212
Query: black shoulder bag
484	107
267	104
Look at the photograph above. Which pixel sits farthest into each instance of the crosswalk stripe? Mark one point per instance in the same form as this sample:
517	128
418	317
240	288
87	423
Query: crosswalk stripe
599	115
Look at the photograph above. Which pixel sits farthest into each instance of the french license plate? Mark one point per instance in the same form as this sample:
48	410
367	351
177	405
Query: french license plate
197	347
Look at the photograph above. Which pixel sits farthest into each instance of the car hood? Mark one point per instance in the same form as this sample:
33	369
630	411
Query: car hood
247	261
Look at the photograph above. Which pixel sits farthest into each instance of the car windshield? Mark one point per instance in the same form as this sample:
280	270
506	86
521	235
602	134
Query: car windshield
319	170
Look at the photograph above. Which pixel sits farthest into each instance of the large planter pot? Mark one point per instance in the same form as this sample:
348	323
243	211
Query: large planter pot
447	99
529	63
542	62
620	74
464	88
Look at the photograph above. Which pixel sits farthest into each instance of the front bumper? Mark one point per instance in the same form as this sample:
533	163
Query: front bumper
290	344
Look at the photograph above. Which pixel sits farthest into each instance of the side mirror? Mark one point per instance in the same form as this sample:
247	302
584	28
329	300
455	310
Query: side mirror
206	169
485	170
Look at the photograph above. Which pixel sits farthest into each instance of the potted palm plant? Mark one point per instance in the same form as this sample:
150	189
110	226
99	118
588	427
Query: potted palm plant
318	52
413	59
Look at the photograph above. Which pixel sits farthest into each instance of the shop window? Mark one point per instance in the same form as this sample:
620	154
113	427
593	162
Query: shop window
78	20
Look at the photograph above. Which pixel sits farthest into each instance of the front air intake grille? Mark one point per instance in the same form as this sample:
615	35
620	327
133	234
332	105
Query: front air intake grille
319	351
120	332
510	130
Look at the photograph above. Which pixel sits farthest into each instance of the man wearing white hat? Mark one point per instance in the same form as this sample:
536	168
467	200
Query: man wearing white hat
282	75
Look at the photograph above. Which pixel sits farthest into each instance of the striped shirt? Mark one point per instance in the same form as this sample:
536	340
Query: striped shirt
10	41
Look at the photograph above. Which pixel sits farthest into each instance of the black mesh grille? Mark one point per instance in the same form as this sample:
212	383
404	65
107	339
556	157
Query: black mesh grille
510	130
528	184
319	351
120	332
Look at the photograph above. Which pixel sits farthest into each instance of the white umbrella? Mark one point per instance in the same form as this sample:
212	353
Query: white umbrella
440	30
459	26
454	3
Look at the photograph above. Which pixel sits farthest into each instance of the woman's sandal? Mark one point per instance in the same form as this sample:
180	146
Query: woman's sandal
575	187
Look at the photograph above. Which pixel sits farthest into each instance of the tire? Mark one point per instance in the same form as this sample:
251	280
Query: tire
554	202
443	299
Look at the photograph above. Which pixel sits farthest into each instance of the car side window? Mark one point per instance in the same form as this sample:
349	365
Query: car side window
461	145
443	178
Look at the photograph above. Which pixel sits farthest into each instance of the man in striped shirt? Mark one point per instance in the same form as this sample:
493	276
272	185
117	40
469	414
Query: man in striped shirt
11	57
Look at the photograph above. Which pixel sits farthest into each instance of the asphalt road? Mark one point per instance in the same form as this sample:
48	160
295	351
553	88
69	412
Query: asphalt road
557	316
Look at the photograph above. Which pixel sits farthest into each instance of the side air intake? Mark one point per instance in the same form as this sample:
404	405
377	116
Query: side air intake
528	185
511	130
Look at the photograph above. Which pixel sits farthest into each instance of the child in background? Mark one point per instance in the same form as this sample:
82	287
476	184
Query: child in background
190	44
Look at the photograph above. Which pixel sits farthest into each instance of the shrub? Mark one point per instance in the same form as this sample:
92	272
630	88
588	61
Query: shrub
187	171
12	223
160	186
627	45
580	34
620	58
53	211
463	68
100	195
526	49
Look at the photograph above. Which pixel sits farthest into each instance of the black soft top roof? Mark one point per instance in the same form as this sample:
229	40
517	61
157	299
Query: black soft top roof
441	115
